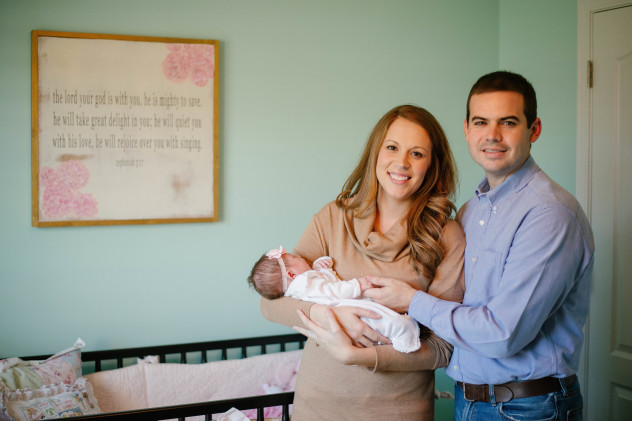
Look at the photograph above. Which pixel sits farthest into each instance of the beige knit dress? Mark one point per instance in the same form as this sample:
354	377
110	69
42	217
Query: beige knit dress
402	386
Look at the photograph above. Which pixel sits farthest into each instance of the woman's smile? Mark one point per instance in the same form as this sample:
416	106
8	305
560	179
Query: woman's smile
398	177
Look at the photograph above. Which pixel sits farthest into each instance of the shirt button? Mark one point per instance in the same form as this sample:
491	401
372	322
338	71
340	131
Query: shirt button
456	367
481	222
495	208
473	259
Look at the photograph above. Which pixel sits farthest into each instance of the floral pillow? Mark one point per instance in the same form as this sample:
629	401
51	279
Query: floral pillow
63	367
51	401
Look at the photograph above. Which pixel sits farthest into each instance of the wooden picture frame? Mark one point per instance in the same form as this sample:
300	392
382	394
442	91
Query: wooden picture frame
124	129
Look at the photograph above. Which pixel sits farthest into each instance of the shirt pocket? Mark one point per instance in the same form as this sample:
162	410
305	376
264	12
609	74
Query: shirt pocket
484	278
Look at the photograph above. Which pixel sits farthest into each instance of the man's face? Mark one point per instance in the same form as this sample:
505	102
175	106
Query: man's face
497	134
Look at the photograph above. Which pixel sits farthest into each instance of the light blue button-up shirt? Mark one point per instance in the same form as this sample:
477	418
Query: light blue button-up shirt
528	269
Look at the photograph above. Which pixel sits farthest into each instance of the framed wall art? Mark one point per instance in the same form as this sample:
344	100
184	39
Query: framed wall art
124	129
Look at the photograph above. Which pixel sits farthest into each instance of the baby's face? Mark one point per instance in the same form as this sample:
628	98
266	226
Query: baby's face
296	263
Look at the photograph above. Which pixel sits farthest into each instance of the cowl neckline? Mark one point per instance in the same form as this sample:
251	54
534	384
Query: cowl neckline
386	247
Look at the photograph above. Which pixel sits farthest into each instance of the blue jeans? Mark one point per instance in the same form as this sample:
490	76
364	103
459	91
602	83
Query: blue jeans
565	405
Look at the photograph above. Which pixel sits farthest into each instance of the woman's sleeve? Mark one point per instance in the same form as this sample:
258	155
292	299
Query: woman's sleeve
448	284
449	280
310	246
284	310
313	243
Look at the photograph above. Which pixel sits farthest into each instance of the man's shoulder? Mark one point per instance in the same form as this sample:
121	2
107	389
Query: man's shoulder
554	200
548	193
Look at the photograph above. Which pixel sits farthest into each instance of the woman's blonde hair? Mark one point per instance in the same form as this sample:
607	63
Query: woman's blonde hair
431	206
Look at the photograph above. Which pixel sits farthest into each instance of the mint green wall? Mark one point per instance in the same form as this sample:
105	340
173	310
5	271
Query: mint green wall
302	84
538	38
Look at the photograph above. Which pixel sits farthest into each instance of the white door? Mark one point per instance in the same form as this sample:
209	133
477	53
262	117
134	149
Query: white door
608	351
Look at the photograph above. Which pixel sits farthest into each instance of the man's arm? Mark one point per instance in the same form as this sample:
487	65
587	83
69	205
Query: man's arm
500	317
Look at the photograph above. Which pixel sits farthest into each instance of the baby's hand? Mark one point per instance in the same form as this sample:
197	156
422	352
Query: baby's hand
324	262
365	283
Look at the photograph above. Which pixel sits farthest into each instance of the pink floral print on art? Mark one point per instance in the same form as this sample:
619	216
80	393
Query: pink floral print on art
61	197
190	61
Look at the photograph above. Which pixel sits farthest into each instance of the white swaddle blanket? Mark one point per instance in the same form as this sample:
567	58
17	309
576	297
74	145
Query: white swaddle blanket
323	286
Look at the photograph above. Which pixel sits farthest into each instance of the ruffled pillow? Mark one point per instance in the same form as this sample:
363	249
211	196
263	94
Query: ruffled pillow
63	367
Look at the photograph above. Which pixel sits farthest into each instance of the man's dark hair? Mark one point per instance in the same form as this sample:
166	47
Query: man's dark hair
508	82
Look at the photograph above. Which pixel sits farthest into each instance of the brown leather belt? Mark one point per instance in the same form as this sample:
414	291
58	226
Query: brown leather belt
514	390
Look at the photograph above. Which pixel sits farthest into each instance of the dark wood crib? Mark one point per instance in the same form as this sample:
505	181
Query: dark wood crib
191	353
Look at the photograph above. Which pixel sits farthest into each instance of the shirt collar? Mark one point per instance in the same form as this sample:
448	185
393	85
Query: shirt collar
513	183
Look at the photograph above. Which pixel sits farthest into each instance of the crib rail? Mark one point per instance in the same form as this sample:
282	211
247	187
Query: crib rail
184	353
206	409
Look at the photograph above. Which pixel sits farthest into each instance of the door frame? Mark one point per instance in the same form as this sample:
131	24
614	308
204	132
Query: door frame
585	11
583	175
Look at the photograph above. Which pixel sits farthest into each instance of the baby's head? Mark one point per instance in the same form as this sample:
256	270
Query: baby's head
274	271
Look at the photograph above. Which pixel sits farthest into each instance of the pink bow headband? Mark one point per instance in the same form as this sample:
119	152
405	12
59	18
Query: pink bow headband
278	254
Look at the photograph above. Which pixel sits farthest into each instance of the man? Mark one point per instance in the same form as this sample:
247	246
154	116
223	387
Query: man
517	335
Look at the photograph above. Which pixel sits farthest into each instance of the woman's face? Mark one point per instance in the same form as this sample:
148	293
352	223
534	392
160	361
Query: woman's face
402	161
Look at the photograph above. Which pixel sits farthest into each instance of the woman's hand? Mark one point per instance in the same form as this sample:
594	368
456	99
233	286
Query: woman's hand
348	320
335	341
392	293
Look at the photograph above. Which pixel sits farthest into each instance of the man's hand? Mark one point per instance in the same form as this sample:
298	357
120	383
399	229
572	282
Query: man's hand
392	293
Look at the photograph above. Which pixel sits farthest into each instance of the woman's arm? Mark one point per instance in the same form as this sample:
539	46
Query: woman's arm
284	310
348	320
432	354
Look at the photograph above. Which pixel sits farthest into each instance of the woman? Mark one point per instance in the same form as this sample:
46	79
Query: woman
391	219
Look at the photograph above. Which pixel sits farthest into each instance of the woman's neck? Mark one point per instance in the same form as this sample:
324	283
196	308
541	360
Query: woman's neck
388	212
